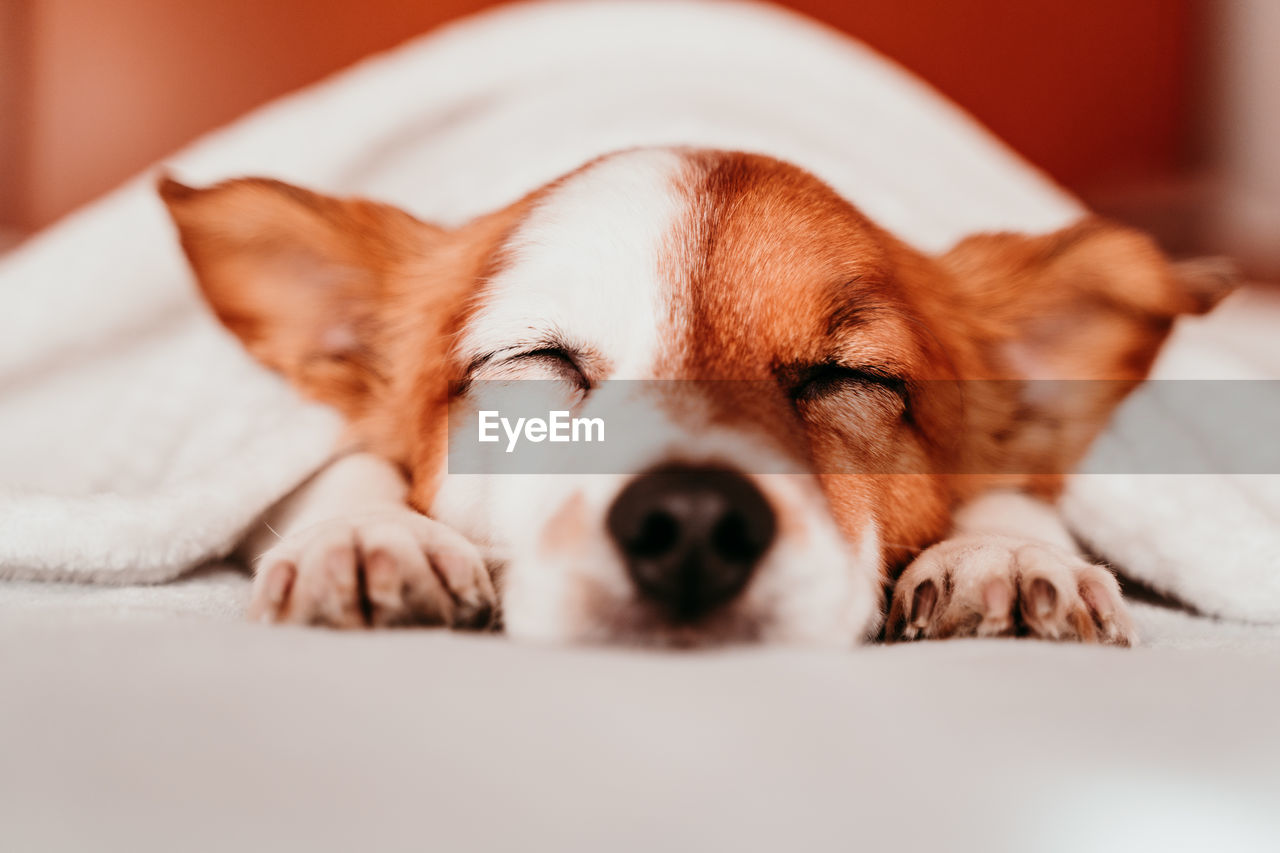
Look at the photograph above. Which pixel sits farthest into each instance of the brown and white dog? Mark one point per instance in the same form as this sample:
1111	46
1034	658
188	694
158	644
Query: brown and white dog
687	264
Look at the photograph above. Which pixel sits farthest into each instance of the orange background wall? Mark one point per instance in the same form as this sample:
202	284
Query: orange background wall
91	91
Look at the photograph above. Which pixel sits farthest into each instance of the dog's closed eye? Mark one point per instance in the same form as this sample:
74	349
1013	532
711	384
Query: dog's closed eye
537	371
858	403
824	380
552	363
531	361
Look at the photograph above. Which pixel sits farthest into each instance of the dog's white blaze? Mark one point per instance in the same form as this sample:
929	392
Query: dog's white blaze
587	265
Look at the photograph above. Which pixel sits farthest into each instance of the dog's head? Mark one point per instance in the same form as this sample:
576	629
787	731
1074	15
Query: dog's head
811	397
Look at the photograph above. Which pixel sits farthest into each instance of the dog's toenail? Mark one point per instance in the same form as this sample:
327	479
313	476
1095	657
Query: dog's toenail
997	598
923	601
382	581
1043	597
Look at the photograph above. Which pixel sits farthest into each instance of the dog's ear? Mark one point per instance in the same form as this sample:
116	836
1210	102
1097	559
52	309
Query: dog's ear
299	277
1092	302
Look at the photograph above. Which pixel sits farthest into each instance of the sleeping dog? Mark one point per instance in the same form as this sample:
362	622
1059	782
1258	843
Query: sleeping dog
806	478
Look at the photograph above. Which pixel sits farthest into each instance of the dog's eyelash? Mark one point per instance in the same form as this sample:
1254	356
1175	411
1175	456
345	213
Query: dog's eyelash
822	379
556	354
545	352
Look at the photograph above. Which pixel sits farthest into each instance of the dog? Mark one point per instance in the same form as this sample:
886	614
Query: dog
694	270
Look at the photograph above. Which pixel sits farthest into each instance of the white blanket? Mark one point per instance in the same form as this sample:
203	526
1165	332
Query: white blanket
137	441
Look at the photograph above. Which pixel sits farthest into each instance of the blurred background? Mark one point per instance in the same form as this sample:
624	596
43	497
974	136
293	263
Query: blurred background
1164	113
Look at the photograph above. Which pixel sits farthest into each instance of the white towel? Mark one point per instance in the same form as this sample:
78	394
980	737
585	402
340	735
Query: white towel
1210	539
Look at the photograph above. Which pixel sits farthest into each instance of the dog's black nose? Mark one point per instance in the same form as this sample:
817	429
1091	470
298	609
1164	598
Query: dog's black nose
690	535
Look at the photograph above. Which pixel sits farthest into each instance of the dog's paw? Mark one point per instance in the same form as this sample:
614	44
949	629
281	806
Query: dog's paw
995	586
389	568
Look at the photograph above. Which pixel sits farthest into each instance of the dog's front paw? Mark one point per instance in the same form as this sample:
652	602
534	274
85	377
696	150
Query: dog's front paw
389	568
992	586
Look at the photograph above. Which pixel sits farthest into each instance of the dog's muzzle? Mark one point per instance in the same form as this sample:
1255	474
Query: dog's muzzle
691	535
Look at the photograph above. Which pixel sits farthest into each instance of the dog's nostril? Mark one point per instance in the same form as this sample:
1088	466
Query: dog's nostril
732	539
659	532
691	536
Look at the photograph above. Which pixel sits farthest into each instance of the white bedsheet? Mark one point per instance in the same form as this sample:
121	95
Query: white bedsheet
199	735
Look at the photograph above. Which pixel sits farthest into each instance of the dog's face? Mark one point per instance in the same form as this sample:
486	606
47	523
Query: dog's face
790	370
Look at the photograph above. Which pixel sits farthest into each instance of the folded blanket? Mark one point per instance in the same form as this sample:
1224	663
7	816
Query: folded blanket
139	442
1209	539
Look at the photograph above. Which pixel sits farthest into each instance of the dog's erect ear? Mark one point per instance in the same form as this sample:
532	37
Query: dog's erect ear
1091	302
299	277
